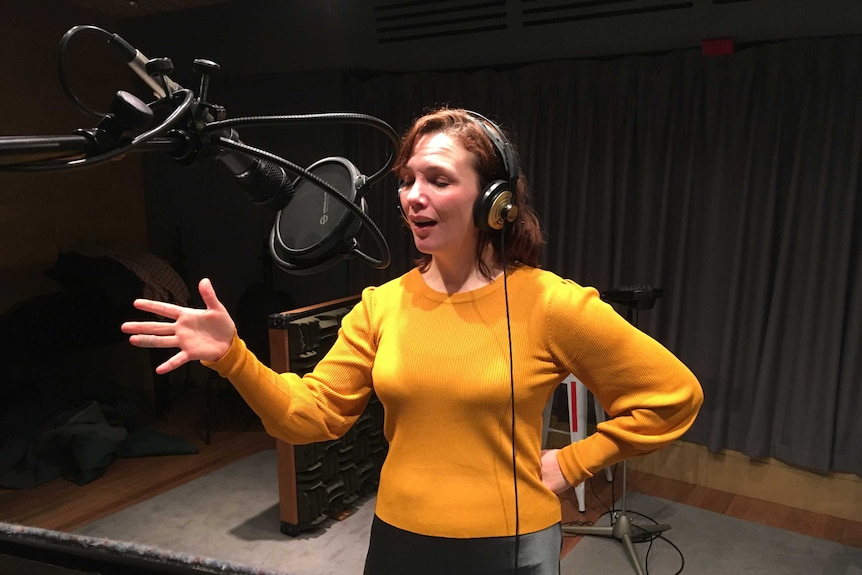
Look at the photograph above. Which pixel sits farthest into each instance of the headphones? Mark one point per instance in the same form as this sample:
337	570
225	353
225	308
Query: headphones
495	207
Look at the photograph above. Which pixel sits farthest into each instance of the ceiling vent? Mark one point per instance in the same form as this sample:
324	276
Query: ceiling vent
416	20
544	12
407	20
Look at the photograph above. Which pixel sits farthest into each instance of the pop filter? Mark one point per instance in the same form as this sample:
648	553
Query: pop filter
314	231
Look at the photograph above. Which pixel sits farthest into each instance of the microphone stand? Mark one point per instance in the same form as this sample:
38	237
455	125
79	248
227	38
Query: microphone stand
634	298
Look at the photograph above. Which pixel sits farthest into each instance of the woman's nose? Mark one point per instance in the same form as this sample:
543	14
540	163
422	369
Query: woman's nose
412	194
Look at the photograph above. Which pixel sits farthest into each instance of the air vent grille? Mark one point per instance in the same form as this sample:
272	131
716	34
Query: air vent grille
416	20
544	12
409	20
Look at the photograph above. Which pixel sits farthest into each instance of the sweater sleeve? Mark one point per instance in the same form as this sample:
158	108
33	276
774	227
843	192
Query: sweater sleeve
319	406
651	397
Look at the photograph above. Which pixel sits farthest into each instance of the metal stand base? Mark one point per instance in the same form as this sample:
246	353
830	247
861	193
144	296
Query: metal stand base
622	530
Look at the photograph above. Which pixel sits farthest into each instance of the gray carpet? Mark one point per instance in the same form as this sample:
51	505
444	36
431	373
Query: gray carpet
711	544
232	515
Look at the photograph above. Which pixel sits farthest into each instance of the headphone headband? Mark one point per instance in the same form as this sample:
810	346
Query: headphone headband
501	144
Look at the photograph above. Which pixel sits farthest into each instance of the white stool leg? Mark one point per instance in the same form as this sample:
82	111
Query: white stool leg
579	494
546	420
576	396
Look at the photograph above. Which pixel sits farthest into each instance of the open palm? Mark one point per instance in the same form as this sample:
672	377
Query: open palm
200	334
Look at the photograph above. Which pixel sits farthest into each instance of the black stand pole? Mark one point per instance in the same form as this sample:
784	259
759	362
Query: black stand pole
622	528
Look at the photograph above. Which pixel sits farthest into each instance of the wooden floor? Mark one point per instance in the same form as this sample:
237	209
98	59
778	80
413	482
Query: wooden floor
64	506
236	433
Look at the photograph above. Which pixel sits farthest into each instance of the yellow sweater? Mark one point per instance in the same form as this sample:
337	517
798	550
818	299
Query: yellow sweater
440	365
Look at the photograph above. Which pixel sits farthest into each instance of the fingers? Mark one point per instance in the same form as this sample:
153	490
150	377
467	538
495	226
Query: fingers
153	341
148	327
174	362
161	308
208	295
552	475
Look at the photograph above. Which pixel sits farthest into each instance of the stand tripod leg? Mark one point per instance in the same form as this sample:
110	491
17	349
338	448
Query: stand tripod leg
621	530
631	554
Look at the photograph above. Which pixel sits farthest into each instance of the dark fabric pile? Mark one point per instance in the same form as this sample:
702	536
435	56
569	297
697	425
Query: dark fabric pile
64	425
54	421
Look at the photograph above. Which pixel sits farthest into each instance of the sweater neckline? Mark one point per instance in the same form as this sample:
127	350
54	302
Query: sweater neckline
417	283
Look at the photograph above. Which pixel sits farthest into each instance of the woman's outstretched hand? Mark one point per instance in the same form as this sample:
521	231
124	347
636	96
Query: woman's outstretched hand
200	334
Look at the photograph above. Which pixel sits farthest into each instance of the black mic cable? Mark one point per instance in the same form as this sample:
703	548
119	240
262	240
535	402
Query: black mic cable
339	118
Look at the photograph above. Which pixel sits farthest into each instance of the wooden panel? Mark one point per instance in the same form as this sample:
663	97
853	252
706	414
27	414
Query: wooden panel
279	341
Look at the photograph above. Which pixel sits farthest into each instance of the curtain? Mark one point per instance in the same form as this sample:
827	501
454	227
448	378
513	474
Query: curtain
731	183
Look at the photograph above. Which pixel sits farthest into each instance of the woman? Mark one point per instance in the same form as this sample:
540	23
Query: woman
464	352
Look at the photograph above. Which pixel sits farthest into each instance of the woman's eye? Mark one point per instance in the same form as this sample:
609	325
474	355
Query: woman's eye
441	183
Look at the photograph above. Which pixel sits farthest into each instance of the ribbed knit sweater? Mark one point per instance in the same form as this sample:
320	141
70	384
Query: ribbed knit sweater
439	364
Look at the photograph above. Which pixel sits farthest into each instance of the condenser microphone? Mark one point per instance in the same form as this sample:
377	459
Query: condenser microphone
267	184
138	63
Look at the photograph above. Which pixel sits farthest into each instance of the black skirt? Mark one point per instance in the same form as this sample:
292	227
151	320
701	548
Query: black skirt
393	551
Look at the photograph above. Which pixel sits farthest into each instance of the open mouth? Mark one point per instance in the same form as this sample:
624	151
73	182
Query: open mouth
424	223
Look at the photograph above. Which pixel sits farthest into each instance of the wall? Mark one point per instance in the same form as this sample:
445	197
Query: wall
836	494
41	214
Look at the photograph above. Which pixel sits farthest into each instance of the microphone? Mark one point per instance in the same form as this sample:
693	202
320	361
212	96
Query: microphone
138	63
265	183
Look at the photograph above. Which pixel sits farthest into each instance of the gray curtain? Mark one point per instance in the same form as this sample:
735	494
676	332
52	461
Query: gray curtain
731	183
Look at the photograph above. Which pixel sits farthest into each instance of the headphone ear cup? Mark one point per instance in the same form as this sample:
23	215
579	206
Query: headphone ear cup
494	207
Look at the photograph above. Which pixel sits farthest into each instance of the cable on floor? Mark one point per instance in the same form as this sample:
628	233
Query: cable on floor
647	537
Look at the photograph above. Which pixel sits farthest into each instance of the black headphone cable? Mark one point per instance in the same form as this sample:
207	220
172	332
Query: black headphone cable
512	389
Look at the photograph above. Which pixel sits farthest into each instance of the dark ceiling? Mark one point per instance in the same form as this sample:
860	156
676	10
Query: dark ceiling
123	9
